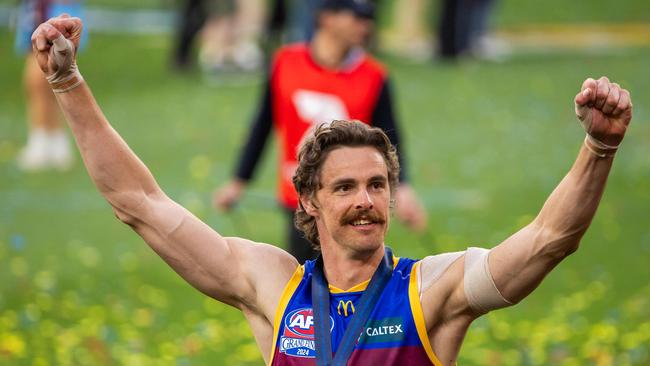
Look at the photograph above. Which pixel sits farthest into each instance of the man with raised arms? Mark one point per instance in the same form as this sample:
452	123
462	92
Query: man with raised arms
356	304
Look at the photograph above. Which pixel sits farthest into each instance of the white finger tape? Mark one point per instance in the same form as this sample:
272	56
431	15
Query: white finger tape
62	53
67	76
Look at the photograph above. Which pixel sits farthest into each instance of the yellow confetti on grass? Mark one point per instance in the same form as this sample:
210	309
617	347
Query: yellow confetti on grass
45	280
48	329
211	306
605	333
193	202
18	266
7	150
98	313
3	249
8	320
43	300
192	344
89	256
153	296
68	339
32	312
248	352
501	329
565	336
41	361
169	350
631	341
214	330
136	359
128	261
200	166
69	303
571	361
143	318
12	344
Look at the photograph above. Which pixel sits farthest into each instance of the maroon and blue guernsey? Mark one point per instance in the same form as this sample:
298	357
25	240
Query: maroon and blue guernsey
394	334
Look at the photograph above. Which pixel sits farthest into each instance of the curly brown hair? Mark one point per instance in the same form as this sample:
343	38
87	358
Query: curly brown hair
314	151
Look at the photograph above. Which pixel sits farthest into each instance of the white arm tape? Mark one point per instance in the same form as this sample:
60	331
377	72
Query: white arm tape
482	294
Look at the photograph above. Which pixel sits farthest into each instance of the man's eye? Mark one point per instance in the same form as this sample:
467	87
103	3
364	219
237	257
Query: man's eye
343	188
378	185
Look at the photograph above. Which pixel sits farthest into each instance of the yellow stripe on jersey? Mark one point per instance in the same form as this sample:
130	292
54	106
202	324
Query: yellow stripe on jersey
418	315
358	287
287	293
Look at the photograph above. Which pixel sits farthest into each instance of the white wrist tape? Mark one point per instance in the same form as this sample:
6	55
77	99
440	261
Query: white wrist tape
599	148
67	76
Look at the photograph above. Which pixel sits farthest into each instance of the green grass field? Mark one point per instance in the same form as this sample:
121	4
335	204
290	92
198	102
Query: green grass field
486	142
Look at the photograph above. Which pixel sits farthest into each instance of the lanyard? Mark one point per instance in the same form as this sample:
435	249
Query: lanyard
320	297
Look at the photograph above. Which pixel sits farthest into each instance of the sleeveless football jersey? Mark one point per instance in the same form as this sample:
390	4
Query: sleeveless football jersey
395	333
306	94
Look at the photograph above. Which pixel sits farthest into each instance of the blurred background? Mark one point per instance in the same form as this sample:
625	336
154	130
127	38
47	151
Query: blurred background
490	131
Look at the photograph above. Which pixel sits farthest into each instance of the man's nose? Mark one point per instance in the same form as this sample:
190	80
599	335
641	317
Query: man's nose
364	201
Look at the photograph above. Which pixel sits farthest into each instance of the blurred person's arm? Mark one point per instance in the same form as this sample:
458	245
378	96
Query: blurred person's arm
227	196
408	207
247	275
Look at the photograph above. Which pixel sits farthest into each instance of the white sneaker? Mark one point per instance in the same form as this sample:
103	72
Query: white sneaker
490	48
248	56
46	150
34	156
60	152
211	60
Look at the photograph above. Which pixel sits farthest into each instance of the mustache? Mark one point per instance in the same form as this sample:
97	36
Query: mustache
366	214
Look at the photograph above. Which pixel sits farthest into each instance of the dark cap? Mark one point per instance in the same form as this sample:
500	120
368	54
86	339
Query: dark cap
361	8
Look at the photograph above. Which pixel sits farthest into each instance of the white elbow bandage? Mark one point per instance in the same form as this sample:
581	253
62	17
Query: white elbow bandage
482	294
67	76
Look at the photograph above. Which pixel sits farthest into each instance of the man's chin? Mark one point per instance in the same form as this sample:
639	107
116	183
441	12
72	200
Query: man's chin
366	244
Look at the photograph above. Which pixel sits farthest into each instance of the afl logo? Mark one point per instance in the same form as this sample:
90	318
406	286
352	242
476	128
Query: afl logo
300	323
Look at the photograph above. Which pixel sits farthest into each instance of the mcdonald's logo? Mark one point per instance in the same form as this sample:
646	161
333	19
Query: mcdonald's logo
344	305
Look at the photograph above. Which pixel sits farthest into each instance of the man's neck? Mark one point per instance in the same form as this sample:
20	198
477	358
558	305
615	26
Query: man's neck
345	269
327	51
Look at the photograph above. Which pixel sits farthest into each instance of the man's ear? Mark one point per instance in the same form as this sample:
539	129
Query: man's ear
309	206
321	18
